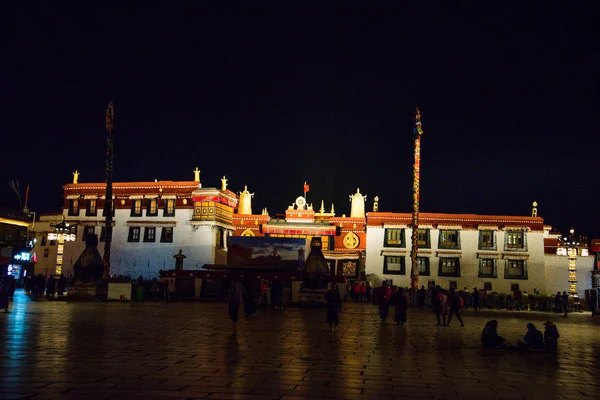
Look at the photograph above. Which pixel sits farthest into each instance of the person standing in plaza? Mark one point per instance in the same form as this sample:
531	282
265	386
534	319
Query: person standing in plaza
166	289
421	295
235	299
276	293
401	306
172	289
557	302
456	304
363	292
476	299
383	298
334	306
61	285
565	303
50	286
442	306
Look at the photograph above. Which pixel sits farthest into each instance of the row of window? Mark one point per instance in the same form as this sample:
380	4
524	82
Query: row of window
450	266
166	235
136	208
450	239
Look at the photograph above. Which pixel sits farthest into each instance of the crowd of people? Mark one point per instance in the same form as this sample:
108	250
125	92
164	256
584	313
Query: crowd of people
51	287
532	341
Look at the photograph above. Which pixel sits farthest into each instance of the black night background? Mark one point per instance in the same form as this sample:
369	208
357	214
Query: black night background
273	97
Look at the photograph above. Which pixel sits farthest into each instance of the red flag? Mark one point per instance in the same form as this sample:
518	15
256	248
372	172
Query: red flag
306	187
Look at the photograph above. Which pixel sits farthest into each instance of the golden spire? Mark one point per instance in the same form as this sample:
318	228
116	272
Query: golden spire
322	209
332	210
196	175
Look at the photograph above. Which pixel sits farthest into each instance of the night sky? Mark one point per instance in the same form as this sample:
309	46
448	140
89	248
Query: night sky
273	97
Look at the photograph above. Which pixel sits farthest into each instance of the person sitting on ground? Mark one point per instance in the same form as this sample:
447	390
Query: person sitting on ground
490	337
534	341
551	336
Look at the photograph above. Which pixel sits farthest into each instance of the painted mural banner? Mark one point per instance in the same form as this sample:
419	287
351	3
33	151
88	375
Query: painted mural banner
280	253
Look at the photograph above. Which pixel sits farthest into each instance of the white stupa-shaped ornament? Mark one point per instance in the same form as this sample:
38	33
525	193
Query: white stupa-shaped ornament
357	208
245	205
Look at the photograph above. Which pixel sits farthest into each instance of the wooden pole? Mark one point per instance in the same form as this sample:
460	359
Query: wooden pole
414	272
108	201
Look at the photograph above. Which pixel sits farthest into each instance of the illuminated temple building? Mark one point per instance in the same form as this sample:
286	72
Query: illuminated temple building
154	220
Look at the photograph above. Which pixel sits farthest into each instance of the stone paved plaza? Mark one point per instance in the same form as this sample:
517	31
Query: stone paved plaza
153	350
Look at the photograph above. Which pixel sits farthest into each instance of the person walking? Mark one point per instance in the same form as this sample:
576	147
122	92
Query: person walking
383	298
334	306
401	306
456	305
50	286
565	303
234	300
61	285
557	302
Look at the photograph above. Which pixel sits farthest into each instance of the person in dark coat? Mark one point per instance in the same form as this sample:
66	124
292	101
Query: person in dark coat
50	286
551	336
383	298
61	285
4	290
534	340
456	303
490	337
234	300
334	306
565	302
276	293
401	306
476	299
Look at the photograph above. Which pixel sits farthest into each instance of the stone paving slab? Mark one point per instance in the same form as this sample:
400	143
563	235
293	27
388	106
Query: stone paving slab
154	350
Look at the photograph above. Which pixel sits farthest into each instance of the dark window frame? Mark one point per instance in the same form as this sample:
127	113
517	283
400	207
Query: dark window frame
88	230
135	210
482	245
456	272
487	286
134	234
443	244
507	267
91	211
427	264
150	234
149	212
166	209
402	270
387	242
165	236
74	207
427	233
494	273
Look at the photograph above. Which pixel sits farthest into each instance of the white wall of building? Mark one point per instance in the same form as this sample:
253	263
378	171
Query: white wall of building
557	273
469	254
145	258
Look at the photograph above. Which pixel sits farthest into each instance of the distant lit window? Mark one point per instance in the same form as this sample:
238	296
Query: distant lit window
423	240
449	239
394	238
424	266
486	240
449	266
169	208
152	209
134	234
487	268
91	211
166	235
74	207
150	234
136	208
394	265
515	240
515	269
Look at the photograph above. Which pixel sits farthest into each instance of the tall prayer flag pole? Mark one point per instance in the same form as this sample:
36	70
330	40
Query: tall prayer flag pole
414	272
108	203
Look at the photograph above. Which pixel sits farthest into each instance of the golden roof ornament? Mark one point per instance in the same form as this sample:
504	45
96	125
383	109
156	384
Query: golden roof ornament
76	176
196	175
357	208
322	209
223	183
245	205
534	211
376	204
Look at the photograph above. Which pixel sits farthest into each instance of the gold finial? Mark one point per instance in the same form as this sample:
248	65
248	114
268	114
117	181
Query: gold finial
418	129
223	183
534	209
332	210
196	175
322	209
376	204
76	176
